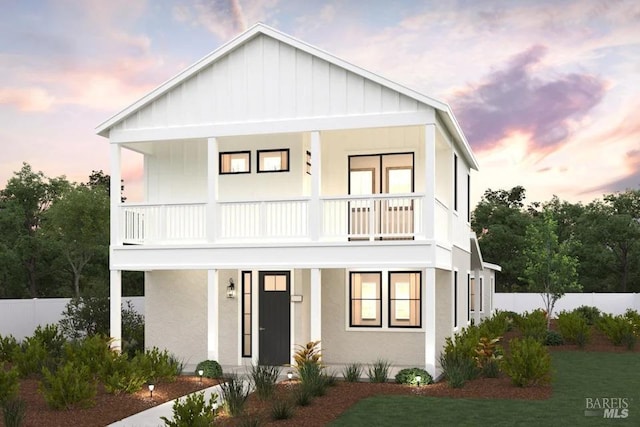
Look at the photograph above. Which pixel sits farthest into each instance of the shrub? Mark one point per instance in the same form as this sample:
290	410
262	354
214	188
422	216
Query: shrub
458	358
52	339
488	354
92	351
378	372
496	325
309	353
211	368
9	384
122	375
8	346
31	357
159	365
234	394
264	380
301	395
590	314
573	327
352	372
71	385
634	318
313	379
14	412
330	379
533	324
528	362
553	338
249	422
193	411
408	376
132	330
281	410
618	329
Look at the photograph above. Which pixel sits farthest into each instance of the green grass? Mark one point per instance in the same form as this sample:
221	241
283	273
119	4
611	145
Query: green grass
577	375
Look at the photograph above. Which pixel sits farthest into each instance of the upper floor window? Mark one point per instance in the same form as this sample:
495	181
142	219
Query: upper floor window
455	182
273	160
468	198
235	162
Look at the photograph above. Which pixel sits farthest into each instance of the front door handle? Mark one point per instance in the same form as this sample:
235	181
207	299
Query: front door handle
262	329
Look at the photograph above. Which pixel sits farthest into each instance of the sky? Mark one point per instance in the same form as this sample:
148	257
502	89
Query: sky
546	92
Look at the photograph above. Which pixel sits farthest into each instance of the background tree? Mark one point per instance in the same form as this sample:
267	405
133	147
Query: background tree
78	222
500	223
550	269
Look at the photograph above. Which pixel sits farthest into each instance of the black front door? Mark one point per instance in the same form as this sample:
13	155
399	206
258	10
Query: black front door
274	318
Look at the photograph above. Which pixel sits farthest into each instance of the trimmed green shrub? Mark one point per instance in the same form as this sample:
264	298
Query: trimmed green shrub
234	394
408	376
352	372
193	411
590	314
8	346
211	368
69	386
9	384
533	325
14	412
553	338
378	372
93	352
496	325
159	365
264	380
573	327
528	362
618	329
281	410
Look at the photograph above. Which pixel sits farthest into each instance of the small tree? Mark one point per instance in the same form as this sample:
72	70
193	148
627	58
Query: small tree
550	269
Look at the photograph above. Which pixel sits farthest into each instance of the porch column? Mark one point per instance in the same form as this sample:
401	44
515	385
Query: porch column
429	208
477	282
115	306
315	207
212	188
316	305
212	315
429	318
115	193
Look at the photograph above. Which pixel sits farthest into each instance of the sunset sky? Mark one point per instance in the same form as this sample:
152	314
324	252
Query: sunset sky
547	92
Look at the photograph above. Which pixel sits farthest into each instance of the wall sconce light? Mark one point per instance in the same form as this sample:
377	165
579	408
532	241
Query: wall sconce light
151	387
231	289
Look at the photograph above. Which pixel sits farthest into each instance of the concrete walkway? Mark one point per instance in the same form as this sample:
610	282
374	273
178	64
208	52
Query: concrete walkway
151	417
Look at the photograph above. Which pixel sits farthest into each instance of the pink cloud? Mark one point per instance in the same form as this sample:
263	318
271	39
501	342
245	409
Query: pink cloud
513	99
27	99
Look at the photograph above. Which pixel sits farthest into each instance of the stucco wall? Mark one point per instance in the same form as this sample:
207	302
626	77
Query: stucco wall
301	310
176	313
444	308
340	346
228	318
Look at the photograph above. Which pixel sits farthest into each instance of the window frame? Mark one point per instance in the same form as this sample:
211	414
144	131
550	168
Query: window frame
277	150
455	182
351	300
220	162
247	310
390	300
455	299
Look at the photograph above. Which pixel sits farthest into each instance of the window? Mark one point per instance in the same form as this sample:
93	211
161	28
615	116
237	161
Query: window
404	299
468	198
308	162
275	282
480	292
246	314
455	182
472	294
235	162
365	294
273	160
455	299
468	298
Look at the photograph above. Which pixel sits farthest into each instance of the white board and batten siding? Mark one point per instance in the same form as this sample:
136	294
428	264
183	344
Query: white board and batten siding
265	79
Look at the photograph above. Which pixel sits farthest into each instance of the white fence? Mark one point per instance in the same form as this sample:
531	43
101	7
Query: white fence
20	317
615	304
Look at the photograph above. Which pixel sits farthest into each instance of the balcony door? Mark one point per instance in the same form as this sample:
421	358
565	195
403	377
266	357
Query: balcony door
381	218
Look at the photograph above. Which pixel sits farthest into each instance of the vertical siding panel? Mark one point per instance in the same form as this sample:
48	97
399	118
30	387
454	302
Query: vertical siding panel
160	111
131	122
355	94
304	80
237	77
372	97
287	81
271	61
254	63
190	106
145	117
174	110
408	104
321	96
338	90
206	95
390	100
221	90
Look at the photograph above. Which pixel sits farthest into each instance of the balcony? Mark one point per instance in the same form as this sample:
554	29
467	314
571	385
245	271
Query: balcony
336	219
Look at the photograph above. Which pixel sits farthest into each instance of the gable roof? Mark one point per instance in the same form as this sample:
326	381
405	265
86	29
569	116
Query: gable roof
442	108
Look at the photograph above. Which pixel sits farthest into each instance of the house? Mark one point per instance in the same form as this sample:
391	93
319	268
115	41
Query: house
291	197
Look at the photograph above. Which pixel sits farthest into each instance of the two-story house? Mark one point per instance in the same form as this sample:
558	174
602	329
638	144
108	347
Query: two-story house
290	196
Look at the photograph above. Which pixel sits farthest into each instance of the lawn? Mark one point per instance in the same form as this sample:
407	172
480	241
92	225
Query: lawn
577	376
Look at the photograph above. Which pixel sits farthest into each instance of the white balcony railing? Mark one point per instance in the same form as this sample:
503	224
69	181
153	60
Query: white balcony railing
340	218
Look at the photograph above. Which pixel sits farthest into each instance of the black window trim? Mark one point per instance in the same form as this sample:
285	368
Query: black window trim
389	273
220	172
351	273
275	150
